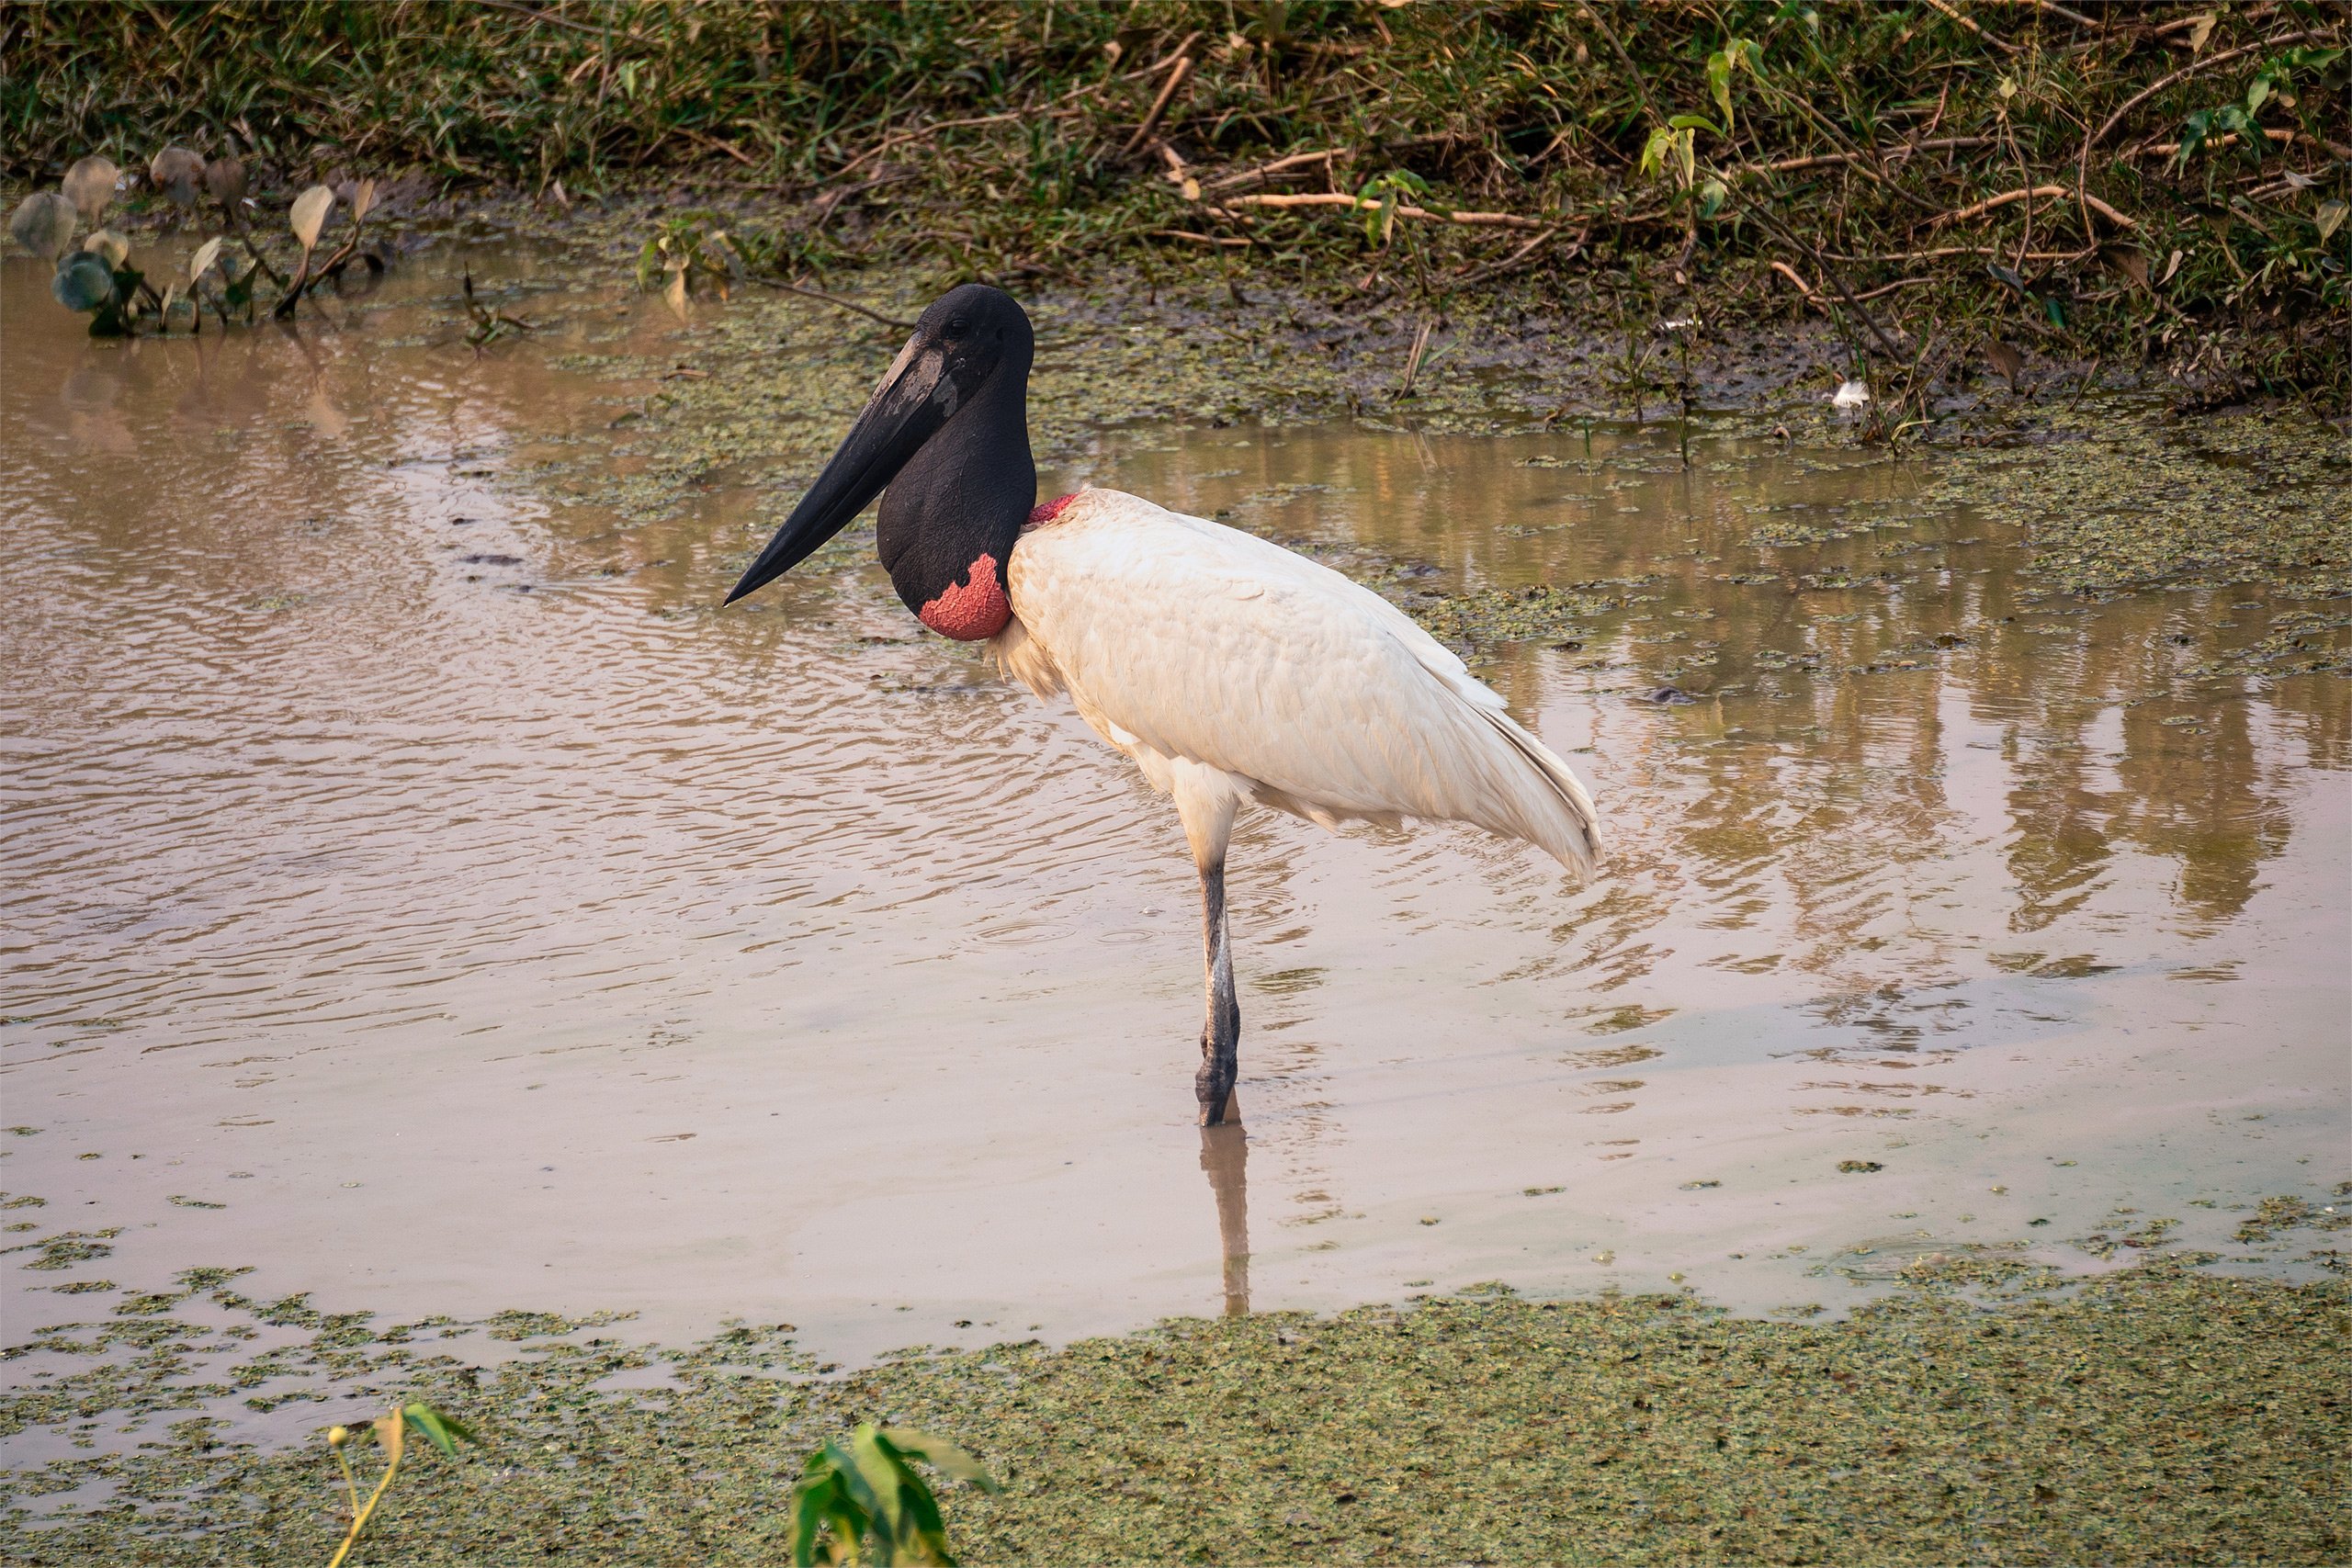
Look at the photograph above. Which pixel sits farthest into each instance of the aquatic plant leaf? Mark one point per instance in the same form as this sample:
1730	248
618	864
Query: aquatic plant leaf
206	254
176	171
943	1455
310	215
2005	359
83	282
2330	218
89	185
391	1436
877	1477
823	1510
109	245
43	224
225	178
363	199
442	1431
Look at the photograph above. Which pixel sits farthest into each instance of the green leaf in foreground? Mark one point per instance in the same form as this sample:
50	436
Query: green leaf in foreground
863	1502
445	1432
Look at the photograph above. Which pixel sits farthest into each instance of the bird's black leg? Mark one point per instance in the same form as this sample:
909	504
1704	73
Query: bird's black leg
1206	799
1221	1034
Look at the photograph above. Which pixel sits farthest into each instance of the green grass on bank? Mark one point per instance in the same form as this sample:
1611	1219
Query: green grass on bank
1732	160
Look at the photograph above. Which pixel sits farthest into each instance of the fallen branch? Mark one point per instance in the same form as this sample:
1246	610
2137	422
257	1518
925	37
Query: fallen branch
834	301
1891	287
1362	204
1203	239
720	145
1519	258
1786	165
2023	194
1814	299
1811	298
1942	252
1176	75
1264	170
2284	137
821	210
2002	44
2057	10
920	131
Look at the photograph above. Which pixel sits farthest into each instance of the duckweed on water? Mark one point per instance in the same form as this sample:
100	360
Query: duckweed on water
2155	1415
2119	502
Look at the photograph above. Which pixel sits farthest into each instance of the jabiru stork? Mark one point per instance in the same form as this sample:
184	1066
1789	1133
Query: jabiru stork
1231	671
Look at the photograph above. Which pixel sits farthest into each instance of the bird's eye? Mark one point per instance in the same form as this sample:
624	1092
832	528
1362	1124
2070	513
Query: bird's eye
958	327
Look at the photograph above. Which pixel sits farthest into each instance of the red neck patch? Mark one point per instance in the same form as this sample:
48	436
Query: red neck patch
1040	516
973	609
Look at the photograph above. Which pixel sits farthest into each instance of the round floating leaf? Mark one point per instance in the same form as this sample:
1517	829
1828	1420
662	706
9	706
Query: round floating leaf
89	185
109	245
43	224
225	178
310	214
176	171
206	254
83	282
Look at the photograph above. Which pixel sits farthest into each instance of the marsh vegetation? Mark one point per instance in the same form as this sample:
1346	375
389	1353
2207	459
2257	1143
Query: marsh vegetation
1958	194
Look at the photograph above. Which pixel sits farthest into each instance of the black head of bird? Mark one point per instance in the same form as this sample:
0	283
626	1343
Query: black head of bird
944	441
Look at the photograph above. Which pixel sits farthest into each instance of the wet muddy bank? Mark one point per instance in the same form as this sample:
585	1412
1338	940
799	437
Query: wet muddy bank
2158	1415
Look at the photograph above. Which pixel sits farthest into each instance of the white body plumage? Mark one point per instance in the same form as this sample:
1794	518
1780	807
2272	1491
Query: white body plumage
1233	671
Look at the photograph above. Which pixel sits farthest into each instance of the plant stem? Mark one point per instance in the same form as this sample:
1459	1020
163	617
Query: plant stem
360	1522
350	1485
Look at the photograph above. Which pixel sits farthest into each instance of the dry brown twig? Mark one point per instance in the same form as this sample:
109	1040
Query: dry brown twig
1816	160
1814	297
1176	75
1340	199
833	300
2024	194
2003	45
1225	241
1280	165
1520	257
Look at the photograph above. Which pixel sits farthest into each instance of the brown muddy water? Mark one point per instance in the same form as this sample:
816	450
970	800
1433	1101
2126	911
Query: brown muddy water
416	889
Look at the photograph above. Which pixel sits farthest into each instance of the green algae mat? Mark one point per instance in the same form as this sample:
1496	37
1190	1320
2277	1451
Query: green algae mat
2160	1414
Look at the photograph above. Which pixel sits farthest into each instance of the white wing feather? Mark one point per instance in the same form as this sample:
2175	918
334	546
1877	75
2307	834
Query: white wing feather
1181	639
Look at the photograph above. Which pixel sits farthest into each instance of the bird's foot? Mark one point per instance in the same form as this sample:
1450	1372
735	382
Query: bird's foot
1212	1087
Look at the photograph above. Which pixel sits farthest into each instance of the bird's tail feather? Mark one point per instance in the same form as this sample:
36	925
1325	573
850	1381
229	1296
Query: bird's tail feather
1560	817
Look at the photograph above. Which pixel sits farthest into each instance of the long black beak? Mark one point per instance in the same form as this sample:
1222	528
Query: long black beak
914	400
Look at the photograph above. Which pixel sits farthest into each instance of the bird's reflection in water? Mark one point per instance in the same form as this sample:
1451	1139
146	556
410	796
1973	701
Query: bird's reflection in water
1224	1156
